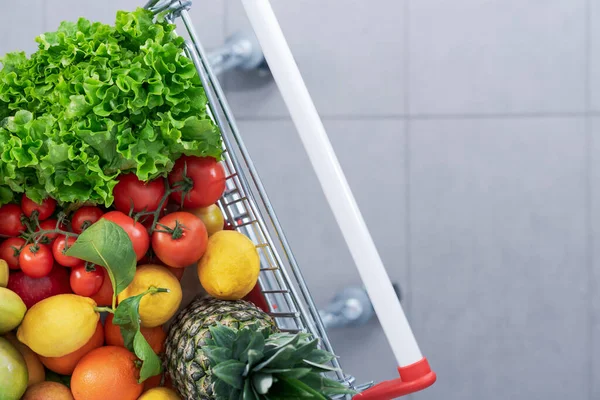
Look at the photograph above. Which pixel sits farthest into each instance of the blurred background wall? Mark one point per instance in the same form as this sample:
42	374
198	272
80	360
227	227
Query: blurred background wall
468	130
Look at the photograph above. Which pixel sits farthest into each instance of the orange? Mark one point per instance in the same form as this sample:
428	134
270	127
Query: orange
66	364
154	336
105	294
108	372
47	391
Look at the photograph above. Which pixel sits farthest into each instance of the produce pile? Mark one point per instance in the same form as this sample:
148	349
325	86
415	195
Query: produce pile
110	180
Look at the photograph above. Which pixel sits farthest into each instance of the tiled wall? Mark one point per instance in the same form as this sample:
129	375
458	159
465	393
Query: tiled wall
467	130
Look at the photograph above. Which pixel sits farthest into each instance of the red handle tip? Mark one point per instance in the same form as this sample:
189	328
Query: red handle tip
413	378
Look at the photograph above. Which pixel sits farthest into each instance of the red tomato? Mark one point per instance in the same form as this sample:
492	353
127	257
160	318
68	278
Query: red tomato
186	242
36	260
10	220
105	294
84	217
10	250
135	230
86	283
207	176
58	250
44	210
50	225
131	193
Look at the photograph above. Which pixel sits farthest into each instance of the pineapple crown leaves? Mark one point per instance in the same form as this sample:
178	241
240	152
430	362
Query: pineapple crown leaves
254	364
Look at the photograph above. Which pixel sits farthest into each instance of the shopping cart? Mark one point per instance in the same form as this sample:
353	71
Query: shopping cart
247	208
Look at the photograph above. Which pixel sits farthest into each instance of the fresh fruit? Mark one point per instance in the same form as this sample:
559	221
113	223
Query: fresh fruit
180	239
154	336
152	382
207	178
186	362
12	310
13	372
105	294
106	373
86	283
43	210
59	325
10	220
84	217
50	225
36	260
60	246
135	230
212	217
66	364
178	272
4	271
229	269
48	391
160	394
10	250
35	369
216	349
32	290
157	308
131	194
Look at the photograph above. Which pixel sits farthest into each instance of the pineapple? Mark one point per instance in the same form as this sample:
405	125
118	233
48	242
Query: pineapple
220	349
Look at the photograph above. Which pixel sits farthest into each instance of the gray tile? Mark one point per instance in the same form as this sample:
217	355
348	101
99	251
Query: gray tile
372	155
350	53
498	249
20	23
208	21
497	56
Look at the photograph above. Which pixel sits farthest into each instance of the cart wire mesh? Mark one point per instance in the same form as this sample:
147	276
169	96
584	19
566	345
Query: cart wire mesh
246	206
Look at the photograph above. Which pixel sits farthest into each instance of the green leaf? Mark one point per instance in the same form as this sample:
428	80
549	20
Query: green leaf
262	382
242	341
324	385
248	393
319	356
288	372
216	354
151	364
288	388
107	244
280	358
254	357
222	335
320	367
230	372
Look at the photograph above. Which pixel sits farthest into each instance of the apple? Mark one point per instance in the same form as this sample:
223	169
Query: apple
34	290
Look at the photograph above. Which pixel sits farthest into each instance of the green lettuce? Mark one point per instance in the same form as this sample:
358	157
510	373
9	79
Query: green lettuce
95	101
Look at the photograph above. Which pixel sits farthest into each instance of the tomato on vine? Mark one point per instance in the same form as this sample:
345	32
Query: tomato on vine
60	246
86	282
84	217
44	210
50	225
135	230
203	177
36	260
179	239
131	194
10	250
10	220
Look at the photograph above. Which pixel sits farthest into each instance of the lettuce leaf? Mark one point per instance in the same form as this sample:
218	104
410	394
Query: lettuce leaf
95	101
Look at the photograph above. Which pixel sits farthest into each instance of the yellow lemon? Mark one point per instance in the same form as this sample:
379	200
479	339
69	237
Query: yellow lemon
229	269
59	325
3	273
156	308
159	393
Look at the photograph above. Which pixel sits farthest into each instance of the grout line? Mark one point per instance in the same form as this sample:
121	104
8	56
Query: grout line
589	199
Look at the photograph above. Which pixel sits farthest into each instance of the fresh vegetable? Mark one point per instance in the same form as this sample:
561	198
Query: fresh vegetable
86	282
49	225
133	195
35	369
10	218
59	249
4	272
154	309
84	217
205	178
13	372
12	310
59	325
43	210
104	297
212	217
33	290
136	231
230	267
95	101
180	239
36	260
10	250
